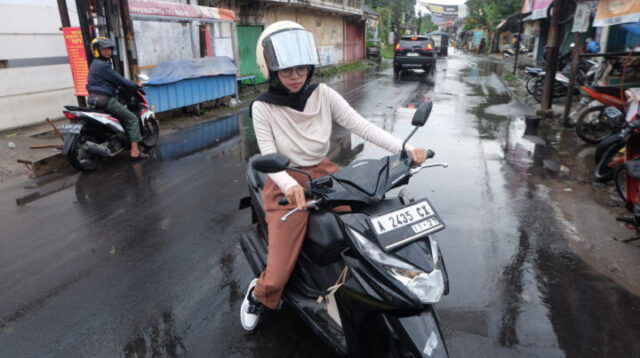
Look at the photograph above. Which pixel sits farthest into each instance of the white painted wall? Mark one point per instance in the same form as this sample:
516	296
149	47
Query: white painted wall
30	29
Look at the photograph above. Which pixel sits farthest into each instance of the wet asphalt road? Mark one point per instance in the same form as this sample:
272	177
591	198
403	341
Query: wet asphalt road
144	260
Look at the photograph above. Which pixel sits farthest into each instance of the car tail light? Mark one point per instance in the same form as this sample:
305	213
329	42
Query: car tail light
70	115
428	48
398	48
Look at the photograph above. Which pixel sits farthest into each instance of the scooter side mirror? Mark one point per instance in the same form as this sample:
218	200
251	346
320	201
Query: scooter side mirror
422	114
613	113
271	163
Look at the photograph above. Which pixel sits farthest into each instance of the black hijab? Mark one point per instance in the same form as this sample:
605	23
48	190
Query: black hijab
279	95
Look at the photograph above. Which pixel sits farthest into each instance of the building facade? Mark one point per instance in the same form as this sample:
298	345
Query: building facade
35	76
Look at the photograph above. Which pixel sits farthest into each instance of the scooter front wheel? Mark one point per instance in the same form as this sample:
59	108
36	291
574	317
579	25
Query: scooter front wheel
605	168
80	159
592	126
151	133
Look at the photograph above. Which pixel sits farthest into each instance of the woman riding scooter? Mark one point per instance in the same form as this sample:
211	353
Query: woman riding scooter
294	118
102	84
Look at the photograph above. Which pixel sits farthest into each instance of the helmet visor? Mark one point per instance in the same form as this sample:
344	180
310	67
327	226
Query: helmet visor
290	48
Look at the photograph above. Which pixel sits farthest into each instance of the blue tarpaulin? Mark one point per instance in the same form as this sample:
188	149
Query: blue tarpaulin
174	71
633	28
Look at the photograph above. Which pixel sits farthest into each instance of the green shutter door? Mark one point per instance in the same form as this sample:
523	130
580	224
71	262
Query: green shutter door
247	41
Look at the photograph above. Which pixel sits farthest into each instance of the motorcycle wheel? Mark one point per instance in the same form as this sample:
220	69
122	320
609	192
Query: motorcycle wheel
531	84
152	133
84	164
538	88
620	180
604	170
593	127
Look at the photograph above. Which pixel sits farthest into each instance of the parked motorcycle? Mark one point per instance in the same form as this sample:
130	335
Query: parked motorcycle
382	255
585	74
609	154
592	125
94	134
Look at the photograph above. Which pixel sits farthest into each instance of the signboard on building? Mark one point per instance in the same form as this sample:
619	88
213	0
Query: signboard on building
581	18
527	5
444	11
613	12
539	9
169	9
77	58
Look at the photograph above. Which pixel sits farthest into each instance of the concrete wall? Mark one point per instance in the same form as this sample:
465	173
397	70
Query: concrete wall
29	31
327	28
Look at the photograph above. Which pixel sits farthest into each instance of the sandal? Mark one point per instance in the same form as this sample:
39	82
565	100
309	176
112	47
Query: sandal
141	156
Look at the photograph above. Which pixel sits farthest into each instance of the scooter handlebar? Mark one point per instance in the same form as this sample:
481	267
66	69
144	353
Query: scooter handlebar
283	201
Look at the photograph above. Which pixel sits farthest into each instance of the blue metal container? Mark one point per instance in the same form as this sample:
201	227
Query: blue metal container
189	91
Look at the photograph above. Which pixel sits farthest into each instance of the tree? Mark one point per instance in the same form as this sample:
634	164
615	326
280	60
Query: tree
488	13
402	11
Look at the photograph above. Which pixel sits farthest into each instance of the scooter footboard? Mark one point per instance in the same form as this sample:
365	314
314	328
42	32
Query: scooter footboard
420	334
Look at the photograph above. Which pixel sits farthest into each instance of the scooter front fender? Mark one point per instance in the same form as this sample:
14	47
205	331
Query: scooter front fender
420	334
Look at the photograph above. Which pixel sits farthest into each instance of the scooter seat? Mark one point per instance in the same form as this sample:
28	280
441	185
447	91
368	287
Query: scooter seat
325	239
84	109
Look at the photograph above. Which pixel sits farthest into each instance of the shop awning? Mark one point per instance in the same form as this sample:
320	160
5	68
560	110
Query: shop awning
613	12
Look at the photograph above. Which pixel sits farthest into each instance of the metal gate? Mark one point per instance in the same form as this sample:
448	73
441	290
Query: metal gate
355	42
247	41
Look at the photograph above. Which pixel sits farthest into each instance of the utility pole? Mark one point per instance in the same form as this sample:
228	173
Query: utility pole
66	22
577	49
515	61
552	56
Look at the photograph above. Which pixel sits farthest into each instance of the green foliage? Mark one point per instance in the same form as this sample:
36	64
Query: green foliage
489	12
334	70
427	25
512	79
387	52
392	12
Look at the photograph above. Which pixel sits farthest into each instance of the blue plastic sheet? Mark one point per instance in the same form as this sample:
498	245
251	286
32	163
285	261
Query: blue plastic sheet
633	28
174	71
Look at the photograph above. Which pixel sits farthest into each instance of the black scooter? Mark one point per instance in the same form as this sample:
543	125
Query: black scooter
379	265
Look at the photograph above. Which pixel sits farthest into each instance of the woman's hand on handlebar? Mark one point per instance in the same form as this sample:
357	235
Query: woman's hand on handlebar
419	155
295	196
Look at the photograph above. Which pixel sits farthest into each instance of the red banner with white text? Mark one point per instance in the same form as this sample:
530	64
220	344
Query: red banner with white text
77	58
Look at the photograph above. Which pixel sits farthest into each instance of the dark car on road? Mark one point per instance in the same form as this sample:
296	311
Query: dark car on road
414	52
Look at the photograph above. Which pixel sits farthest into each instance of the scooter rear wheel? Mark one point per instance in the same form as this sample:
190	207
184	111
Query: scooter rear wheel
81	160
620	180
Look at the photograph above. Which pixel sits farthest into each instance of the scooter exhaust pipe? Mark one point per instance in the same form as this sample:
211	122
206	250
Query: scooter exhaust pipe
96	149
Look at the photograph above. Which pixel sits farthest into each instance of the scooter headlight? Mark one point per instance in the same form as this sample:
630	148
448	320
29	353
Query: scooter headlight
427	286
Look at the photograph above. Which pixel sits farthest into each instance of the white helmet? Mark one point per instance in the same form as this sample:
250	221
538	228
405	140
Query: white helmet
285	44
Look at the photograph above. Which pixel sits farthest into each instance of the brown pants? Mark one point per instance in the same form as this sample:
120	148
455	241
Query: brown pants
285	238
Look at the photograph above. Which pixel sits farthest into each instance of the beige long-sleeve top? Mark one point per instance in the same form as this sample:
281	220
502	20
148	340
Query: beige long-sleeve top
303	137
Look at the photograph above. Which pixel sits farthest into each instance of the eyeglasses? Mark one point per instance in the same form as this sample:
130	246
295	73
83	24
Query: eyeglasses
300	70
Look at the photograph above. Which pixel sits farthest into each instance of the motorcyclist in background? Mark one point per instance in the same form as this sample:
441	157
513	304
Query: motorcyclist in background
102	84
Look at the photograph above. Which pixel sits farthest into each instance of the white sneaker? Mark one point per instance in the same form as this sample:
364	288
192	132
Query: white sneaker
251	309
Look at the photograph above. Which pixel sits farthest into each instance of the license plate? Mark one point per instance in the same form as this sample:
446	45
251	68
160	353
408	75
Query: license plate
420	216
413	54
70	128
